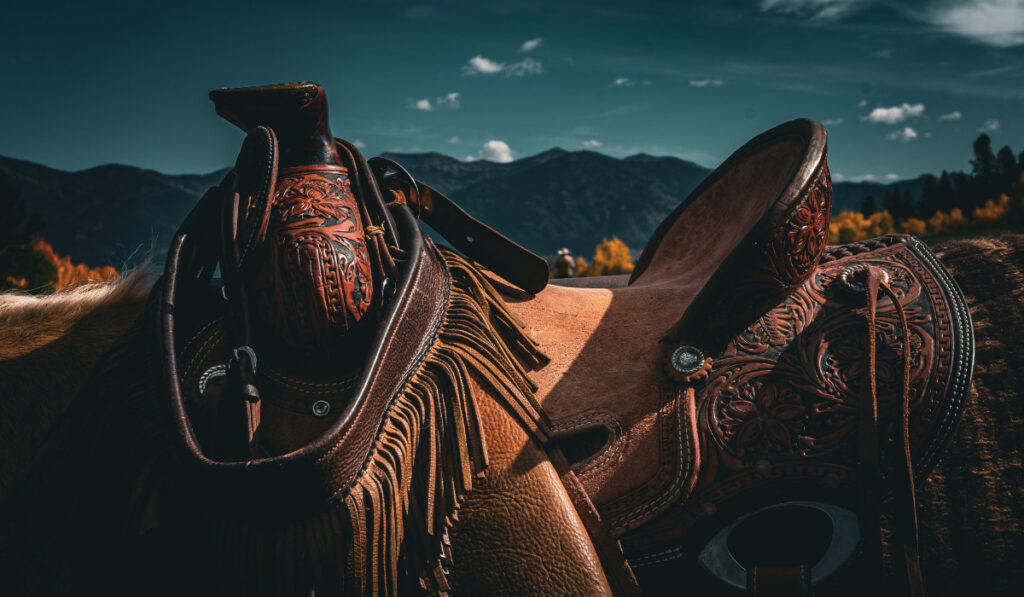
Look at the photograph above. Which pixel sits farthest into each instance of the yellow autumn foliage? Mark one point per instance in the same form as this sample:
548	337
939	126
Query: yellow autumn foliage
993	210
69	273
610	257
851	226
581	267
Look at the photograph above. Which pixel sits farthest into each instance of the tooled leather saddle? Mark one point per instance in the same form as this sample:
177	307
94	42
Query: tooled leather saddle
351	409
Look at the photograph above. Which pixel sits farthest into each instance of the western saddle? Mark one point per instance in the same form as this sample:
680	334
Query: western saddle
351	409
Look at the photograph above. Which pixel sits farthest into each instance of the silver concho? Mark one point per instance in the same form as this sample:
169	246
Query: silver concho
687	359
321	408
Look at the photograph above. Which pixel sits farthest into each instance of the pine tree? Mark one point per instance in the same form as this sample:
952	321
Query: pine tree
930	196
1007	169
869	206
946	194
984	168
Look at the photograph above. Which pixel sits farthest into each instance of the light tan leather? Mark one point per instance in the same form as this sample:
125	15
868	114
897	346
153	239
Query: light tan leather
605	352
518	532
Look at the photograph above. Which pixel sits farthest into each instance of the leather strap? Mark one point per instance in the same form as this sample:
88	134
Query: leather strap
905	508
779	581
467	234
870	462
906	499
609	550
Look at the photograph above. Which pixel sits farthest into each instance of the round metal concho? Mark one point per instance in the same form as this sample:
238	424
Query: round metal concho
687	359
853	278
321	408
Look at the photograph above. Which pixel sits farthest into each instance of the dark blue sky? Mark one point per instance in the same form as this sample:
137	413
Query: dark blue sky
903	88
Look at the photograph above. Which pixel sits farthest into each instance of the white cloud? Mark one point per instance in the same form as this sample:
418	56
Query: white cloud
450	100
529	66
593	143
905	135
359	144
882	54
895	114
531	44
497	151
624	82
470	158
707	82
954	115
862	103
454	140
990	126
832	122
892	176
997	23
863	178
478	65
815	9
837	177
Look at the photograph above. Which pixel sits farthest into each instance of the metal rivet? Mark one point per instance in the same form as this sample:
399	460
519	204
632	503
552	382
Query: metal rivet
687	359
321	408
763	467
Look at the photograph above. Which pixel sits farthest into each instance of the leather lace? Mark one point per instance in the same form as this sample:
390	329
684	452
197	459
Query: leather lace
905	501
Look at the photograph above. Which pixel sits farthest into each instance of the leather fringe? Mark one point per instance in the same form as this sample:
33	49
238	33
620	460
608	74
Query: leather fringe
388	533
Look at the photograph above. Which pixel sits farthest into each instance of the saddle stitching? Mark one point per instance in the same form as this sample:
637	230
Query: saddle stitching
271	148
685	465
421	354
964	335
608	451
196	360
199	334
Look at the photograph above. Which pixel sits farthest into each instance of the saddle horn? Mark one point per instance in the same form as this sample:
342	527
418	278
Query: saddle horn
296	112
296	240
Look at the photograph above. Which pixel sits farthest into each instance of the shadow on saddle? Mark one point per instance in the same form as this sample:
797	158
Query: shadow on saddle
350	409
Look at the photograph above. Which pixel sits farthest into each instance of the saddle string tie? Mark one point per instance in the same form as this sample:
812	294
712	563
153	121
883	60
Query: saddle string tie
906	498
905	509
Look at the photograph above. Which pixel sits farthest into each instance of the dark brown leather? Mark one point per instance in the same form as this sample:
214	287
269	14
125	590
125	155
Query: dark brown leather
337	472
779	581
470	236
427	470
297	236
776	419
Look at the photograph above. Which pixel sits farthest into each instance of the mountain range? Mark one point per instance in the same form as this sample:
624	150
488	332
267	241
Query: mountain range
118	215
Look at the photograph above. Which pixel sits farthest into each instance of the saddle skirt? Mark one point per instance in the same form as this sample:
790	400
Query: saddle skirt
777	416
